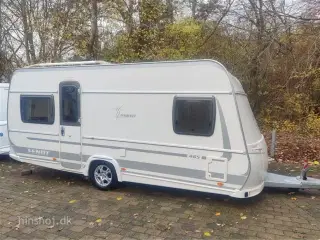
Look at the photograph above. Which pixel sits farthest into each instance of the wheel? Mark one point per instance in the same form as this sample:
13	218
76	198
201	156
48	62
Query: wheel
103	175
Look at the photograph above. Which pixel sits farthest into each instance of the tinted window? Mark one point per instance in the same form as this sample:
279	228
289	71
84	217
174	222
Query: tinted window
69	105
37	109
194	116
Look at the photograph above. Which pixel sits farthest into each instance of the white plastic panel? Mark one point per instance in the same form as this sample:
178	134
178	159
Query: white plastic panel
249	123
217	169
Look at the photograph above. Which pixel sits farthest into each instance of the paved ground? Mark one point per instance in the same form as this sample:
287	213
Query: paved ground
140	212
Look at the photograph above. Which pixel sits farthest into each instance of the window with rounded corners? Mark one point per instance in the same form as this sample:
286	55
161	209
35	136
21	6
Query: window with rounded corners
194	116
37	109
69	104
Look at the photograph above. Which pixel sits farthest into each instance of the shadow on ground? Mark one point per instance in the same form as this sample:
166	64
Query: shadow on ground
54	176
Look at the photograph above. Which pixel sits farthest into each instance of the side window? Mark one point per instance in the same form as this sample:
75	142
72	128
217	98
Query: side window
37	109
194	116
69	105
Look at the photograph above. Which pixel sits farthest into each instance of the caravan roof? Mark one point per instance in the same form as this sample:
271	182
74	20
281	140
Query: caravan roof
150	80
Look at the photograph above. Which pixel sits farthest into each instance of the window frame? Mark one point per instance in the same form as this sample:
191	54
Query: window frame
214	112
50	97
69	84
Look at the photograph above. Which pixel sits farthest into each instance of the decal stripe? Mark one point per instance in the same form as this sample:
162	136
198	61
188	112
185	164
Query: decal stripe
149	167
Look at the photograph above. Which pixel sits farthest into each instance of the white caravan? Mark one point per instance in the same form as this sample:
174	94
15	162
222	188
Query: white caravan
183	124
4	141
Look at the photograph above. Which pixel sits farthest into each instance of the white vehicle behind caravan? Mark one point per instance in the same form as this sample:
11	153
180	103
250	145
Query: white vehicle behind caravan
183	124
4	142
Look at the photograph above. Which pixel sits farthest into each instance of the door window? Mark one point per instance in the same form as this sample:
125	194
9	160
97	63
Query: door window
69	104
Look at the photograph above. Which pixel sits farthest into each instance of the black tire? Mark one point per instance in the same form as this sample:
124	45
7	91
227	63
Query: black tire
101	167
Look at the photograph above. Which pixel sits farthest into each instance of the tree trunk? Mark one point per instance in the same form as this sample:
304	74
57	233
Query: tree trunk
25	29
1	41
194	4
129	20
93	43
170	13
30	33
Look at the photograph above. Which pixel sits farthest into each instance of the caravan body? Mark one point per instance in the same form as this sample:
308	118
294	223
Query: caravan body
4	142
183	124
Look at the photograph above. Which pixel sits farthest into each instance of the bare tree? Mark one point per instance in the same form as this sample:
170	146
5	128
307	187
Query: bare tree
125	9
93	42
170	10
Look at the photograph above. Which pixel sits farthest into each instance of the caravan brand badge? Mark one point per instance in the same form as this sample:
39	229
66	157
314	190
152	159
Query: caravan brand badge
121	114
38	151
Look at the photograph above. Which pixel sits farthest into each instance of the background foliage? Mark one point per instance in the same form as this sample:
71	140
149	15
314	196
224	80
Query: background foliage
272	46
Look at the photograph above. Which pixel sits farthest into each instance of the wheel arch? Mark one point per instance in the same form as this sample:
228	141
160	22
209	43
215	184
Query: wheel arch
104	158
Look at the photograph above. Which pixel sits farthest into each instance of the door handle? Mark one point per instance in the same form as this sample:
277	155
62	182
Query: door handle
62	131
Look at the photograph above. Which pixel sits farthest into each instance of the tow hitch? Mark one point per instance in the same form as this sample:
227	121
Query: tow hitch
300	182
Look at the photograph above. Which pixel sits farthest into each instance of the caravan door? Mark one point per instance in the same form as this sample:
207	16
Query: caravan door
70	125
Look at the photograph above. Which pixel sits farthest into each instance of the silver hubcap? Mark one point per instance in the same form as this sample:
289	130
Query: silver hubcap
103	175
